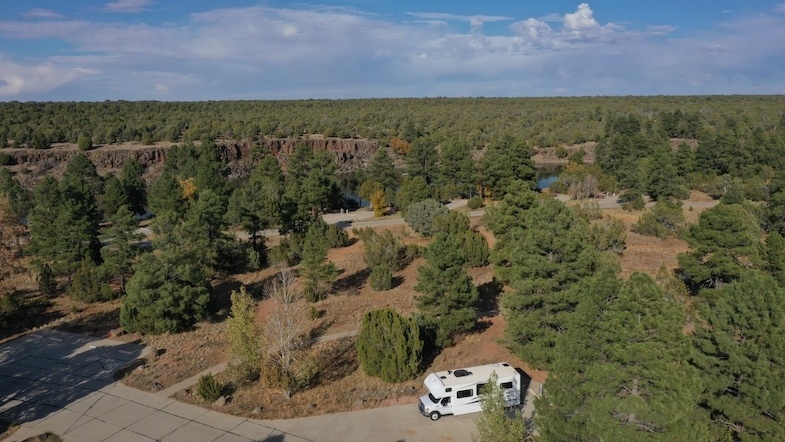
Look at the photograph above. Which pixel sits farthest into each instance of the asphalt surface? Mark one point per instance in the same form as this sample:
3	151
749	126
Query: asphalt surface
63	383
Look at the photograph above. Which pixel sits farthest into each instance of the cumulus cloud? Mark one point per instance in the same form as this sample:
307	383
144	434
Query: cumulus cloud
128	6
306	52
17	78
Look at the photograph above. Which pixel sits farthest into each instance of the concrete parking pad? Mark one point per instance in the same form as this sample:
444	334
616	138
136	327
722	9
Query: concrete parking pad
62	382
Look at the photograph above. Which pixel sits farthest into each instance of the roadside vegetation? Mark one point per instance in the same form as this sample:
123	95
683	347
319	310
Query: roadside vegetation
684	346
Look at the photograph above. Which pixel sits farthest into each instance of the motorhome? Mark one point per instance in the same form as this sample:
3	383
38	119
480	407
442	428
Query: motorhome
458	391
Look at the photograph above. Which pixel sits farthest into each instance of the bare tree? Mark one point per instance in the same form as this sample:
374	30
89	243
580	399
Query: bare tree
289	363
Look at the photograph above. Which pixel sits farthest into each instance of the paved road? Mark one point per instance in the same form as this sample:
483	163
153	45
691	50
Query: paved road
62	382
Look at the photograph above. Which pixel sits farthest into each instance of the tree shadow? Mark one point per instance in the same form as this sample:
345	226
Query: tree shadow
34	312
488	300
318	331
337	360
97	324
351	284
45	372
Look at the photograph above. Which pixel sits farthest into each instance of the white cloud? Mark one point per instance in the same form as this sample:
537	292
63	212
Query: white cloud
583	18
128	5
42	13
266	52
17	78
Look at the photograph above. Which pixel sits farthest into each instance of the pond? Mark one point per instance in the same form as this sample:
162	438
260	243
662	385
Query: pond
547	175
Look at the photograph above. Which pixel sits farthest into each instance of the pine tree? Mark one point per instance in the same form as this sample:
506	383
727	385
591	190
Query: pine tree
726	240
447	295
131	177
114	196
620	370
164	295
317	275
413	190
257	205
738	350
119	254
505	161
389	346
542	264
496	423
382	170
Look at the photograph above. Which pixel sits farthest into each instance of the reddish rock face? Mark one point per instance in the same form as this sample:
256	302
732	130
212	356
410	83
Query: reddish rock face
350	154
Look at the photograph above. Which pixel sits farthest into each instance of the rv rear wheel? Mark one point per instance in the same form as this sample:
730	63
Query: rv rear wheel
435	416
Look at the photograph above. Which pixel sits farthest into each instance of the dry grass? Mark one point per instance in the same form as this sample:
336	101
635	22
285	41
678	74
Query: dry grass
341	385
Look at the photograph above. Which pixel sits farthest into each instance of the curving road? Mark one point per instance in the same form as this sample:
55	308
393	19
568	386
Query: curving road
63	383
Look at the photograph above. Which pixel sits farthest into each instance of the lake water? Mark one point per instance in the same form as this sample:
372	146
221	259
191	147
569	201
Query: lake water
547	175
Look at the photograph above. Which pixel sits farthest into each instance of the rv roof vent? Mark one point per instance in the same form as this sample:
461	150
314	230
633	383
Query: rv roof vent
442	377
505	364
461	373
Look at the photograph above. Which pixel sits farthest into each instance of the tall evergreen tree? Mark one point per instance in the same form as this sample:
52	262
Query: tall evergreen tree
421	159
504	162
318	275
132	179
739	351
166	194
455	172
725	241
543	263
382	170
448	298
257	205
114	196
620	369
119	254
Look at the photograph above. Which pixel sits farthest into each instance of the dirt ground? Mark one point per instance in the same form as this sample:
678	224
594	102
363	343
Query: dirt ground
341	385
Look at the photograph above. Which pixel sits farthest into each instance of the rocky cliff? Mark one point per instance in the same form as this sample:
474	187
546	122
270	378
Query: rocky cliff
350	154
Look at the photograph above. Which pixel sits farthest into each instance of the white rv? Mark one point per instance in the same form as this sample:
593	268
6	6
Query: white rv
458	391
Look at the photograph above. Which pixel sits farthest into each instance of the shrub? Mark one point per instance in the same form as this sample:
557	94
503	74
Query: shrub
85	142
632	200
389	346
87	285
475	248
474	203
609	236
47	283
208	388
412	252
11	305
381	249
5	159
665	219
381	278
450	222
420	215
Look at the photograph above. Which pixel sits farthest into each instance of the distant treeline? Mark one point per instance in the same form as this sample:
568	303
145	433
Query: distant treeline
540	122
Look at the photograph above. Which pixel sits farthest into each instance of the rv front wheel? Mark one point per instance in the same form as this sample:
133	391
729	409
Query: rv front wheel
435	416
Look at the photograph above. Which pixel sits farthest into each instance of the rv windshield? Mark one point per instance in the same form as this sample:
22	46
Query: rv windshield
433	398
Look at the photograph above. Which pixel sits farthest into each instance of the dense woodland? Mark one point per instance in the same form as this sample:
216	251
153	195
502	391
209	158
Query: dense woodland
691	354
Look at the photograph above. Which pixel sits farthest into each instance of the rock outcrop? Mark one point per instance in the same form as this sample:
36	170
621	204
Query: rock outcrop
350	154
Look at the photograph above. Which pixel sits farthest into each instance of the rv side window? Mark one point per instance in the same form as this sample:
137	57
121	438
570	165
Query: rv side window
479	388
506	385
464	393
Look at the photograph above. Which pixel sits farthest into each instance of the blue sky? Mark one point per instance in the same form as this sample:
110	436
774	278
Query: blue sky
91	50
